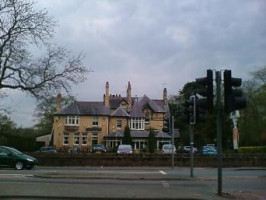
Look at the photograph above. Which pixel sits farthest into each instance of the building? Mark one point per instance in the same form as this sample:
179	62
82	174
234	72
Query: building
83	124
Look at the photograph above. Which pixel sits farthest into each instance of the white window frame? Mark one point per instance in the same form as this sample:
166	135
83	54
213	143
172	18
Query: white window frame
76	139
84	140
119	124
72	120
66	139
139	144
137	123
95	137
95	121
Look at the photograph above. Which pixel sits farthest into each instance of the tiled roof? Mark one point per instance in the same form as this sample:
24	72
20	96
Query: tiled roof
139	134
120	112
98	108
116	134
153	105
85	108
136	110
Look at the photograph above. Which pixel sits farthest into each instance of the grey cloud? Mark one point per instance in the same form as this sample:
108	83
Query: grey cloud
157	43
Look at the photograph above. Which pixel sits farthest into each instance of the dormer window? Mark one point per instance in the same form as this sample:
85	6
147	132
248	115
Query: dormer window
123	105
72	120
95	121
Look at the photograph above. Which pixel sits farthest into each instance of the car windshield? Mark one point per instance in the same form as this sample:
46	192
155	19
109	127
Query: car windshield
15	151
125	147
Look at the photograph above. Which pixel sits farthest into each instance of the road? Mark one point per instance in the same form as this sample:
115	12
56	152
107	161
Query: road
130	183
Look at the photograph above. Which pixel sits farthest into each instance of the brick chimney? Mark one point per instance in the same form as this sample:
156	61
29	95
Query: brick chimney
165	96
129	100
106	96
59	102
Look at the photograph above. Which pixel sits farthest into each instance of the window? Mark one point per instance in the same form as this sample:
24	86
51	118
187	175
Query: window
139	144
66	139
147	117
72	120
76	139
137	123
94	138
119	124
113	143
84	139
95	121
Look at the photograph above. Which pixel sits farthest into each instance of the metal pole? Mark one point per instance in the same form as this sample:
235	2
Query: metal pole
173	143
191	136
191	149
219	133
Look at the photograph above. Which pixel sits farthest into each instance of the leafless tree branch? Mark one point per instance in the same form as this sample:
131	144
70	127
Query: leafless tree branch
22	26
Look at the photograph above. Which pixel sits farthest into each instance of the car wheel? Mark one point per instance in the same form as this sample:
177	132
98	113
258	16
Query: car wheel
19	165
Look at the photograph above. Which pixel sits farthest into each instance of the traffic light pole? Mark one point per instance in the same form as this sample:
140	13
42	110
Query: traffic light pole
191	150
219	132
191	136
173	142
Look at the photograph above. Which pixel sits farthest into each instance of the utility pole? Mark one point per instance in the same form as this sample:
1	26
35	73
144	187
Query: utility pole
191	136
219	133
173	143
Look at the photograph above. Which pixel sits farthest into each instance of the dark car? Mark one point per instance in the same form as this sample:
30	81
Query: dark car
10	157
98	148
47	150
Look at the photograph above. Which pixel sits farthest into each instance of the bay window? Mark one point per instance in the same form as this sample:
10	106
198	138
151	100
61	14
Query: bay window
137	123
72	120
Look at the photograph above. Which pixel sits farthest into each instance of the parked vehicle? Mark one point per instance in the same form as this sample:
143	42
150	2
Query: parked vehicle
98	148
11	157
208	150
124	149
74	150
186	149
47	150
168	148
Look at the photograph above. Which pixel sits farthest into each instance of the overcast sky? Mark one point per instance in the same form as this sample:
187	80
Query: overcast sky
153	44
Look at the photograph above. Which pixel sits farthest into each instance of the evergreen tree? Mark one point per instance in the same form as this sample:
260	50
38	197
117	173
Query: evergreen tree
151	142
127	137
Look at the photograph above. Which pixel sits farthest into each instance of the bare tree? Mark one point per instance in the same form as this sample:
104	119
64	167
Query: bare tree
22	28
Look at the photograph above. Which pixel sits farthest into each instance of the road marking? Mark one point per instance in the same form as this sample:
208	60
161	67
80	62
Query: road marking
12	175
165	184
162	172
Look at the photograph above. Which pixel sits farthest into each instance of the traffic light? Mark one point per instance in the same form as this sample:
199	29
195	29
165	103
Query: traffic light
166	124
189	114
233	99
205	103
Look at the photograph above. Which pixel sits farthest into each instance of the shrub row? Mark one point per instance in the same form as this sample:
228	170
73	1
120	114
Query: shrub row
255	149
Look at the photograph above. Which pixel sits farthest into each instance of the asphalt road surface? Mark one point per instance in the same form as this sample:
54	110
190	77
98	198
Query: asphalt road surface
131	183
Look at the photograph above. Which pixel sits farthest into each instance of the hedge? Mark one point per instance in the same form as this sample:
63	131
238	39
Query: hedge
21	142
252	149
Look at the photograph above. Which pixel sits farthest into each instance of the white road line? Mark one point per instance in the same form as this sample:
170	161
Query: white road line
165	184
12	175
162	172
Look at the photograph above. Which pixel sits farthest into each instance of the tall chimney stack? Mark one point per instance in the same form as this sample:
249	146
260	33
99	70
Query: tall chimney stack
165	96
59	102
129	100
106	96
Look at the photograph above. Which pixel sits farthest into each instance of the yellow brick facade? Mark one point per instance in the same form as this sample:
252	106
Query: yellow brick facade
83	124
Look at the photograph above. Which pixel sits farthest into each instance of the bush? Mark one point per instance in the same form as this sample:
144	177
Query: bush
20	142
254	149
